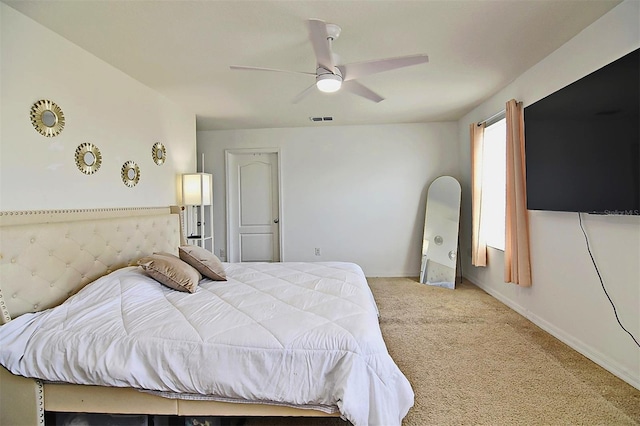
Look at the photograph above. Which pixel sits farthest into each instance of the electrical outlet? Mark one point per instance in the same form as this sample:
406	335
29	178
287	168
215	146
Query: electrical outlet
317	251
222	253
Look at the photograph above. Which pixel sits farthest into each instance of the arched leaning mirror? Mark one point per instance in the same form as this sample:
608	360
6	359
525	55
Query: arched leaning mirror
47	118
88	158
130	173
440	238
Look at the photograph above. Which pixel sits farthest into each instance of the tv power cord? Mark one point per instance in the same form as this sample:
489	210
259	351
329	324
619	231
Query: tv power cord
602	282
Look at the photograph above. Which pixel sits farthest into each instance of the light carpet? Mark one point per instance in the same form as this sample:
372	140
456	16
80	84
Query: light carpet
473	361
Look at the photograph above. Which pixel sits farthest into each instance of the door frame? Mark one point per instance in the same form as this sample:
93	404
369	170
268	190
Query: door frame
227	159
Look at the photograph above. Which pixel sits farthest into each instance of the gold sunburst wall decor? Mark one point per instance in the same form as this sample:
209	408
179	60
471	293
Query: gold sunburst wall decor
47	118
88	158
130	174
159	153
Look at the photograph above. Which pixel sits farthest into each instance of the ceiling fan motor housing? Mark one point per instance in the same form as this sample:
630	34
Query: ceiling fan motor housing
328	81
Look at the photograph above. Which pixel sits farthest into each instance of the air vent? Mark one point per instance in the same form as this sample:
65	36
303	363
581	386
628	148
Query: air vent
321	118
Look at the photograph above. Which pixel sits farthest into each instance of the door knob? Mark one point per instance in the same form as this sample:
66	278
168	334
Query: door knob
276	220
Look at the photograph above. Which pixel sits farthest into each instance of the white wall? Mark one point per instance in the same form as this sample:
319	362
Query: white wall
356	192
566	298
101	105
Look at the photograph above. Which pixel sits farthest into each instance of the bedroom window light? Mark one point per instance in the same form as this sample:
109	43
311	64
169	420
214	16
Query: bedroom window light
494	184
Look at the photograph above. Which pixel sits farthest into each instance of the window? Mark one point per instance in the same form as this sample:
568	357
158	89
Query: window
494	184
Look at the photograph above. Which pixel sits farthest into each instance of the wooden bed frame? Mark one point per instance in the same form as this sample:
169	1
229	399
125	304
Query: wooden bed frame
46	256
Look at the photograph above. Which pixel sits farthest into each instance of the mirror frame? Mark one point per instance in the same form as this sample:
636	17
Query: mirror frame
81	151
159	160
124	173
38	109
448	245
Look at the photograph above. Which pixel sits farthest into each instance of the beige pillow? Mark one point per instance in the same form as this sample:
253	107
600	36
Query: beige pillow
204	261
169	270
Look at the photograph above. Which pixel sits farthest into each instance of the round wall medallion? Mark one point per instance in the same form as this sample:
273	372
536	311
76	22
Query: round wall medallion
453	255
88	158
159	153
47	118
130	173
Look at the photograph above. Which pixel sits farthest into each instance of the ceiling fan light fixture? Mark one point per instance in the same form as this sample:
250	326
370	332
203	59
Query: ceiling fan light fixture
330	76
328	83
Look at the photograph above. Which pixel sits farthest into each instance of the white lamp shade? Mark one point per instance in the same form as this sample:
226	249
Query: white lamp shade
197	189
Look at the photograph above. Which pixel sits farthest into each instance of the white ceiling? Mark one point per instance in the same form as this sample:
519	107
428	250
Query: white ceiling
183	49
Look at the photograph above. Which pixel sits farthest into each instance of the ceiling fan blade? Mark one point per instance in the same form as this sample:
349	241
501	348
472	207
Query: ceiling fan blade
303	94
318	36
361	90
243	68
361	69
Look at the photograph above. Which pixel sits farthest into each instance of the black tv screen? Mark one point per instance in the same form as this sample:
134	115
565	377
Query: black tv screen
582	143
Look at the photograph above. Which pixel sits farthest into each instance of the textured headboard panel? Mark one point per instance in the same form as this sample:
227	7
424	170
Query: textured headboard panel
41	265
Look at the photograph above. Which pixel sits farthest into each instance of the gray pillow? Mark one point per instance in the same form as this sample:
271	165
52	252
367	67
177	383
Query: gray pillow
169	270
204	261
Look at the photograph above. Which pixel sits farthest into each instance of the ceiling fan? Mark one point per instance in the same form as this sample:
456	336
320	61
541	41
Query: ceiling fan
330	76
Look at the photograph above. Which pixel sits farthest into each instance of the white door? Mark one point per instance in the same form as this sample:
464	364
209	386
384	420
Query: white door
253	222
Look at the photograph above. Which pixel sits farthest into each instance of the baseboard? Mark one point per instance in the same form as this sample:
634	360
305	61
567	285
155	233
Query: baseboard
380	274
576	344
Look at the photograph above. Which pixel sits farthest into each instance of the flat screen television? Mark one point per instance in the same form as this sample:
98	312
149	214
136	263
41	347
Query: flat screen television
582	143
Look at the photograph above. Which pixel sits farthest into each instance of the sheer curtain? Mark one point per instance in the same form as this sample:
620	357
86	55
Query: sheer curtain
517	263
478	243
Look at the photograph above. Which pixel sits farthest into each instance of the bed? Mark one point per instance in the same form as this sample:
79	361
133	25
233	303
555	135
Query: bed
285	339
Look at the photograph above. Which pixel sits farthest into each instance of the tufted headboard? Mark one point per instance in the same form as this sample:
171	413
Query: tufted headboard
42	264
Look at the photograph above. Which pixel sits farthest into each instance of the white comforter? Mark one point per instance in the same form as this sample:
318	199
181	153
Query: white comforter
295	333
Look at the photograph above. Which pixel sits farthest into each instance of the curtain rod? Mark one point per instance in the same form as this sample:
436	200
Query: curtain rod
494	118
